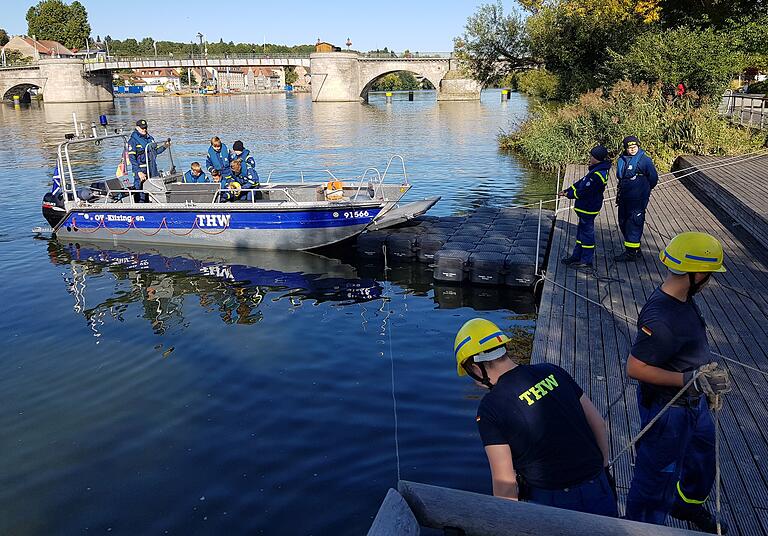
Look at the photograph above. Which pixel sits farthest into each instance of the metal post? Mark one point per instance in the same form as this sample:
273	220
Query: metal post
557	193
538	241
74	120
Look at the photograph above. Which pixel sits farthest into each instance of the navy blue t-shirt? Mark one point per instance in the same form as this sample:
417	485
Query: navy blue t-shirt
672	335
536	410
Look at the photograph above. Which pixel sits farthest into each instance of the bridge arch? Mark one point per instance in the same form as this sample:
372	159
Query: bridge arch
22	90
366	86
371	70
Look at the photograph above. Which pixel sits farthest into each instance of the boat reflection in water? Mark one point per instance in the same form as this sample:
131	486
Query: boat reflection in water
230	282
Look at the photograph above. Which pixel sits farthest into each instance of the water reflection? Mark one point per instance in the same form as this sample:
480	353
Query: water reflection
229	283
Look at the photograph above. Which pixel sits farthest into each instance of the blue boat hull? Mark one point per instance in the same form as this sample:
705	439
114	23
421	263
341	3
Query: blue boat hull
285	229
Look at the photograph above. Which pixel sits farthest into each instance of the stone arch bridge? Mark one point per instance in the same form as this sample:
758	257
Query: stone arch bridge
336	76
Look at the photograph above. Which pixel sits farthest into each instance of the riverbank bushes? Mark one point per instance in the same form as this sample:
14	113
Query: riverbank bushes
667	128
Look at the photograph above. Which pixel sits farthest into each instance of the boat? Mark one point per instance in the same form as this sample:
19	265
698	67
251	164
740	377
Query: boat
294	215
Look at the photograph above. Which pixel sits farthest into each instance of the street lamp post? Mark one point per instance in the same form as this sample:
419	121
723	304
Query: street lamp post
202	69
348	43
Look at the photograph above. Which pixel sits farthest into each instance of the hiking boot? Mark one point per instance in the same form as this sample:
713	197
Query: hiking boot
699	517
628	255
568	261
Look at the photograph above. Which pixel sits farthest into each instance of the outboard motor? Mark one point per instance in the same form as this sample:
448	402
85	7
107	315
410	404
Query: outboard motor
53	208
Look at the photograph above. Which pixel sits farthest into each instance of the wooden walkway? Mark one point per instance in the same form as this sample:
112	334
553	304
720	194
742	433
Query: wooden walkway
592	344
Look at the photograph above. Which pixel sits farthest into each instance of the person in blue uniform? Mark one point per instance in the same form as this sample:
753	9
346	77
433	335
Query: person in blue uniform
588	195
142	154
239	151
218	157
637	177
545	441
195	174
240	178
675	463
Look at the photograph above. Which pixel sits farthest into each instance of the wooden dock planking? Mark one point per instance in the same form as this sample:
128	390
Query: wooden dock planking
593	345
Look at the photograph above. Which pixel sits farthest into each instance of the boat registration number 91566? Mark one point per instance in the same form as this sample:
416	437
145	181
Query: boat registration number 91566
356	214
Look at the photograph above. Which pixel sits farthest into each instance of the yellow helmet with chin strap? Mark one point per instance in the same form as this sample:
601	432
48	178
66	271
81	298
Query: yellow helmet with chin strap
479	339
693	252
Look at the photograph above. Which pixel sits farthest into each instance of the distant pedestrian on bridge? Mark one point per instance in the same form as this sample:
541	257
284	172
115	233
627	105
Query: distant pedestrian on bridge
637	177
218	157
142	154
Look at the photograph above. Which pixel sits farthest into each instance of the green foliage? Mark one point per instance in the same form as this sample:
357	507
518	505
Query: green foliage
399	81
704	60
573	42
710	13
55	20
759	87
186	75
667	128
3	37
538	83
132	47
14	57
290	76
493	44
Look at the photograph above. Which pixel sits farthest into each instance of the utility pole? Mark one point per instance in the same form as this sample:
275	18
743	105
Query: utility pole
203	68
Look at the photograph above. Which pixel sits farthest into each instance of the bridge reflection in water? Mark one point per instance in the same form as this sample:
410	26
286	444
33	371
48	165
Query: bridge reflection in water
234	283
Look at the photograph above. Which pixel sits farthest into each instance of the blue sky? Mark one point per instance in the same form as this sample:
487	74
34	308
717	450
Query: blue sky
419	25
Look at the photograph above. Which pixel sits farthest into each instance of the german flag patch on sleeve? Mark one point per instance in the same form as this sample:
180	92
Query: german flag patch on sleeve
646	330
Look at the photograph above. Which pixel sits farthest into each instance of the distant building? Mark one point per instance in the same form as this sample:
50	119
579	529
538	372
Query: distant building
322	46
156	77
232	79
37	48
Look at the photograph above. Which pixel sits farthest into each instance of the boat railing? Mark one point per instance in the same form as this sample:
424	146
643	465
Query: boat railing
64	160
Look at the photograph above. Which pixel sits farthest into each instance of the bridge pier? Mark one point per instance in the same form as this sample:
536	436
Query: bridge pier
335	77
66	80
456	87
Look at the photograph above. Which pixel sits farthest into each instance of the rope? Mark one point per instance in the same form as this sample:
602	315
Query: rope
648	426
716	411
132	224
388	326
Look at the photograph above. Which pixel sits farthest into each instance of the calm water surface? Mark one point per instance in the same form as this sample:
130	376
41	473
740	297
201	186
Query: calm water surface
151	391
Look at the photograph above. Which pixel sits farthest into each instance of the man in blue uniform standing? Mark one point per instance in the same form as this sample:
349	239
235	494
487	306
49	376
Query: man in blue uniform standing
142	154
545	441
218	157
588	195
637	177
675	464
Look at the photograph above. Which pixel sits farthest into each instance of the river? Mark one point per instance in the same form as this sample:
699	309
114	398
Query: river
175	392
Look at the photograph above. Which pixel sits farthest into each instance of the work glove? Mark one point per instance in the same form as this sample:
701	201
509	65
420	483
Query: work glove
712	381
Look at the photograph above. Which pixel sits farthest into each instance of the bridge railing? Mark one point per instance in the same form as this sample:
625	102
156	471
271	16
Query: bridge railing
175	57
406	55
745	109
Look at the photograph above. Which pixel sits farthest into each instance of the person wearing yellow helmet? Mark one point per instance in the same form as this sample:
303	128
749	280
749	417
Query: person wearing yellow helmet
675	462
545	441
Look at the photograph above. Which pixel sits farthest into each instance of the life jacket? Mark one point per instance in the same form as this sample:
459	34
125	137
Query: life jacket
588	191
633	184
334	190
219	159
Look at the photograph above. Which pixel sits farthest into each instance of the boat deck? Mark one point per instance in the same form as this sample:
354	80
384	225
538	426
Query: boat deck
592	344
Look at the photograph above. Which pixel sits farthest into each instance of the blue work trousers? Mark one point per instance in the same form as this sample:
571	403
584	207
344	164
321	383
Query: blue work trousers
632	221
137	185
585	239
593	496
675	464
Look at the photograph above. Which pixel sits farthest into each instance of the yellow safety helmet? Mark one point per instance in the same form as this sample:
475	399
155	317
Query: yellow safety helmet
693	252
481	339
234	185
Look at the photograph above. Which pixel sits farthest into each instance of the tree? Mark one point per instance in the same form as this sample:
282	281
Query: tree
291	76
494	44
709	13
57	21
3	37
14	57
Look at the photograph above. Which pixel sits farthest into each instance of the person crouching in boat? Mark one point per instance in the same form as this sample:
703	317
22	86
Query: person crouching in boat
240	152
240	178
195	174
218	157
